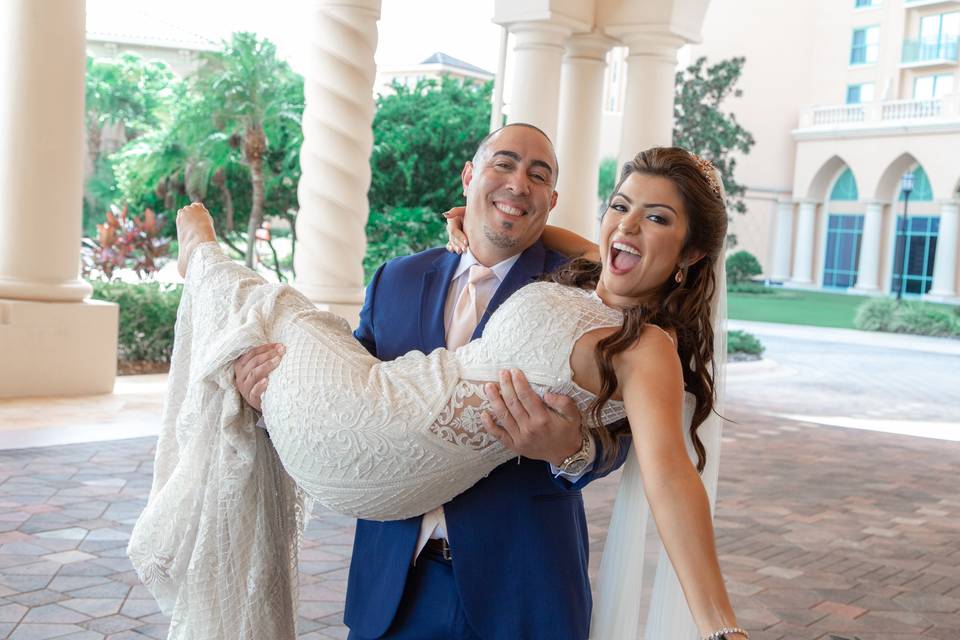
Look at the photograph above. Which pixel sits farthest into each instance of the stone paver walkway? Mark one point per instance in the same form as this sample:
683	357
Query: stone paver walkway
820	530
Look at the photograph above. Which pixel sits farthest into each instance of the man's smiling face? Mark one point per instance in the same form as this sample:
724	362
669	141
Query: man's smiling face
510	191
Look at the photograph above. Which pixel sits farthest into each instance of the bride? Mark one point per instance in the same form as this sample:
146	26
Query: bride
217	543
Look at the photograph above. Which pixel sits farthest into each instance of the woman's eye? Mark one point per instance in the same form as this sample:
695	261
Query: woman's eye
619	207
658	219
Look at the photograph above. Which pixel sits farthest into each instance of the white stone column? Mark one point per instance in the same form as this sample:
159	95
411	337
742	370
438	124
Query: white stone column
871	248
803	252
335	156
578	145
648	106
783	241
945	261
537	57
52	342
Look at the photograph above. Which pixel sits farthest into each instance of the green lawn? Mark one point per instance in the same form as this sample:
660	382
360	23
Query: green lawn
792	306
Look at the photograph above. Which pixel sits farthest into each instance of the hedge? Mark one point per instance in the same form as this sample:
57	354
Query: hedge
148	312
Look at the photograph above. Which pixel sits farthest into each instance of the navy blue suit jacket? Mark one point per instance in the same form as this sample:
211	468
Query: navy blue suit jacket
519	536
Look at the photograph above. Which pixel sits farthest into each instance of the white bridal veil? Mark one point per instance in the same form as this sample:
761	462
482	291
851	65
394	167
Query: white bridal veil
622	583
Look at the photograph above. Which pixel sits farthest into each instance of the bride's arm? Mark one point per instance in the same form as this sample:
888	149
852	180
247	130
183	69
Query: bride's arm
557	238
652	387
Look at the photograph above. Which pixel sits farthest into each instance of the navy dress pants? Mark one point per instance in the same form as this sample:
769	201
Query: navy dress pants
430	608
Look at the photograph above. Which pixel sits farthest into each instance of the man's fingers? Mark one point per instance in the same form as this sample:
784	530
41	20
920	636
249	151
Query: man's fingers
256	394
496	430
528	398
564	405
510	399
256	351
499	409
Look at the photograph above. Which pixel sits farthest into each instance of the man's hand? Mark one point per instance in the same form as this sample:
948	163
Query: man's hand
252	368
548	429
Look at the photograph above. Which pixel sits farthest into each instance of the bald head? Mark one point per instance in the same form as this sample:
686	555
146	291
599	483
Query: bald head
483	149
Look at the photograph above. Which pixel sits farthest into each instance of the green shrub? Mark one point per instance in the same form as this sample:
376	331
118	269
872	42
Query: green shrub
741	342
885	314
741	266
751	288
148	312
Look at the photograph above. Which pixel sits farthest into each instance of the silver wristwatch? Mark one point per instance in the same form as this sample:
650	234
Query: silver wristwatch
575	464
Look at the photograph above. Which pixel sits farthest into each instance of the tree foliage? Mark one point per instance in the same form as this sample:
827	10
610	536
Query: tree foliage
741	266
232	140
703	127
422	136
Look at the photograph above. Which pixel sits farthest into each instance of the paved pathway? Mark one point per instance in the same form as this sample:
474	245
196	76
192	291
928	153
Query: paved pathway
822	531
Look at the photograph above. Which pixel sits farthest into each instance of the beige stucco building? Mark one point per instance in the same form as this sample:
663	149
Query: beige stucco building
843	98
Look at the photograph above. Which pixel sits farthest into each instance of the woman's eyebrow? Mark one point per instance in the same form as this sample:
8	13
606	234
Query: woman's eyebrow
654	205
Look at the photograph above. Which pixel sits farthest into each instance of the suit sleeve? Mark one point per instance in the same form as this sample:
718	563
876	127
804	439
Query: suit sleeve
365	331
623	428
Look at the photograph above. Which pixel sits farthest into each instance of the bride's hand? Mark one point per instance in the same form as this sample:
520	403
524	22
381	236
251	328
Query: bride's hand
456	238
194	225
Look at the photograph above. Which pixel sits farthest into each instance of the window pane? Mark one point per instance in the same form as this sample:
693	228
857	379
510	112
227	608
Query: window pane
923	88
853	93
950	28
942	85
930	28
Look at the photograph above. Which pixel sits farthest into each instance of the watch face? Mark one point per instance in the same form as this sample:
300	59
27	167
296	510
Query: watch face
575	466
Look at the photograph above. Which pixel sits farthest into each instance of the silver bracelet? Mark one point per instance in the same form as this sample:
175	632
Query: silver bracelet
721	634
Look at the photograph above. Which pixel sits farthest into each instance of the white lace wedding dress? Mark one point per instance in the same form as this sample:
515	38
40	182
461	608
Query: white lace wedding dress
217	543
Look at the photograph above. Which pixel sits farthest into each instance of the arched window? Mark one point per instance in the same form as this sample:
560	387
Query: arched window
844	233
922	191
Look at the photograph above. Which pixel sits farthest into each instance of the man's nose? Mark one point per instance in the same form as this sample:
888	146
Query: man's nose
518	183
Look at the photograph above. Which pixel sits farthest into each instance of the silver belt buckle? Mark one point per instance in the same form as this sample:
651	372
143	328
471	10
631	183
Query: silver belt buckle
446	549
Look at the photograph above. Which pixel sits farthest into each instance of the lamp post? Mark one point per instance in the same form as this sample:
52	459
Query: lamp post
906	186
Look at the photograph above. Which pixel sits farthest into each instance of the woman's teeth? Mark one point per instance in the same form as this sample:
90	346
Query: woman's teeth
625	247
507	209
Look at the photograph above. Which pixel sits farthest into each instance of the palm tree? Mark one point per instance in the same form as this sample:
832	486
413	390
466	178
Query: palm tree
247	84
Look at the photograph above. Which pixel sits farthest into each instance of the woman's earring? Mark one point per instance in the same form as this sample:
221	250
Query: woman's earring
679	277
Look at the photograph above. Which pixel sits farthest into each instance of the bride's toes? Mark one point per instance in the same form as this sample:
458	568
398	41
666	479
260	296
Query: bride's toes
194	225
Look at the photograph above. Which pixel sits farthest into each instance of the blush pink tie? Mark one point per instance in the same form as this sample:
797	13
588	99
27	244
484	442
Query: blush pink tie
467	313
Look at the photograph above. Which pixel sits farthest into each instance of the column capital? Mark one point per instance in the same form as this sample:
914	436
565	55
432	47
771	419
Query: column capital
953	203
786	200
808	202
589	46
650	40
876	202
539	34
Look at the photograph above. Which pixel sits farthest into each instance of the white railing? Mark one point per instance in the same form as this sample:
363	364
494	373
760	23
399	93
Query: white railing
879	114
911	109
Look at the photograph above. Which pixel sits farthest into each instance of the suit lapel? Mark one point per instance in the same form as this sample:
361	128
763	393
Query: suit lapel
528	267
433	298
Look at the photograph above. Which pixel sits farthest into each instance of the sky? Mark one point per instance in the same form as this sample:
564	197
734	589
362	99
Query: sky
409	30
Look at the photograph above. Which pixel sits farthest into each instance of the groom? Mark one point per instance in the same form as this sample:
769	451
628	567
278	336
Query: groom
507	558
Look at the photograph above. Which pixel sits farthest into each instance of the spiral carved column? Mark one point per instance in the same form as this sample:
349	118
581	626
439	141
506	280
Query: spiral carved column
335	156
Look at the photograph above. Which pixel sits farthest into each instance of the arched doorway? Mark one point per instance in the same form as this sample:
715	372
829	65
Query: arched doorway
844	233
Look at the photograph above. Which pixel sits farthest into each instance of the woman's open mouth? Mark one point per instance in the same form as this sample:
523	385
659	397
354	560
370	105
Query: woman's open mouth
623	257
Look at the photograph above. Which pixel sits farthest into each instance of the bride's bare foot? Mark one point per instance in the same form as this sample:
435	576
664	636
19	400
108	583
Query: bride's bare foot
194	225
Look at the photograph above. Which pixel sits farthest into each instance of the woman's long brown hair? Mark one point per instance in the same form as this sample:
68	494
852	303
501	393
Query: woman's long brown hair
683	307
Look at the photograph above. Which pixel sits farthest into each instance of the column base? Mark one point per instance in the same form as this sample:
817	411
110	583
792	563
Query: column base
941	296
800	284
867	290
57	348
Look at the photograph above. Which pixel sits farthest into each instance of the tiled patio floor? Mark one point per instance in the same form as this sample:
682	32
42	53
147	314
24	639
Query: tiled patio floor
821	530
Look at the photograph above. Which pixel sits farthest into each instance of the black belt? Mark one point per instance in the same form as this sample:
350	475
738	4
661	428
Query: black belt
438	546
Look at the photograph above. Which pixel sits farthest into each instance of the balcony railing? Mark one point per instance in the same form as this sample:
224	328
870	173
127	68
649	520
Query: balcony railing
919	51
890	113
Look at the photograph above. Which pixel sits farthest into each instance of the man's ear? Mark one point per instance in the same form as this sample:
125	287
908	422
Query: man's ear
553	201
466	176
